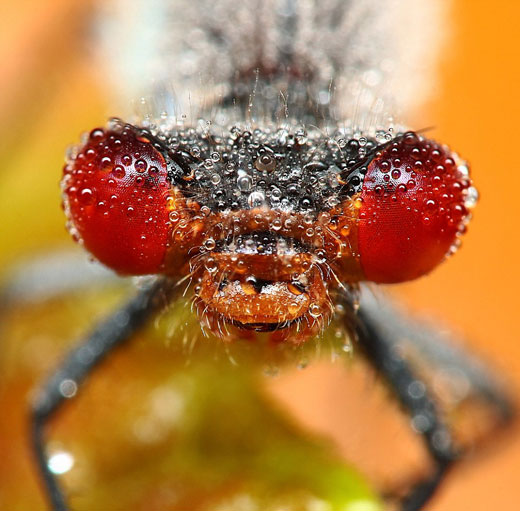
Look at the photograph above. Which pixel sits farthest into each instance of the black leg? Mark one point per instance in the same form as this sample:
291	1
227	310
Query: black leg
111	333
441	351
413	395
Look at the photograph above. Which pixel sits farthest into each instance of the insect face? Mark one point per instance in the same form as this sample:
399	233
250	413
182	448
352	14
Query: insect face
268	225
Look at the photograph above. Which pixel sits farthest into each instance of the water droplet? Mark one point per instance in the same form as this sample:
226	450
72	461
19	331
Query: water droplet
346	347
276	193
301	137
210	244
140	165
431	204
379	190
244	182
293	308
60	462
265	162
314	310
256	199
119	172
416	389
471	197
87	197
276	224
68	388
211	265
97	134
421	423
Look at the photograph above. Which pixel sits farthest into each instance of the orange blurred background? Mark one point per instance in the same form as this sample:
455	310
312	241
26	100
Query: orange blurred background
50	94
477	111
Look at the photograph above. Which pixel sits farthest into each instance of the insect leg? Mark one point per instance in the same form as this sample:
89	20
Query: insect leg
108	335
382	354
441	351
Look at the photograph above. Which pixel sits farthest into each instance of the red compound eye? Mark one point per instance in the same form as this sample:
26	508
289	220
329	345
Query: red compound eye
413	206
116	195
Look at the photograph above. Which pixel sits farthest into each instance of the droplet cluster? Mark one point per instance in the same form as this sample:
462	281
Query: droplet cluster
283	169
415	197
117	198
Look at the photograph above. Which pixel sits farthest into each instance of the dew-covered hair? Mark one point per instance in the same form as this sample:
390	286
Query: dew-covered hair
355	61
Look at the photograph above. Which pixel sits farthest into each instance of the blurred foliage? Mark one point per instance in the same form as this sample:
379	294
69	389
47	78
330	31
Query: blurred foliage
161	425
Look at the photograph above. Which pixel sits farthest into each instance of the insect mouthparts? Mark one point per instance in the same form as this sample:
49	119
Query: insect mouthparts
262	281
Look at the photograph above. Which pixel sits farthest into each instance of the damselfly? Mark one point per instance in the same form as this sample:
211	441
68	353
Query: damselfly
265	176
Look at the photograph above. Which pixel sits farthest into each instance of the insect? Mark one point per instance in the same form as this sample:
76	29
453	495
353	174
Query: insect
271	205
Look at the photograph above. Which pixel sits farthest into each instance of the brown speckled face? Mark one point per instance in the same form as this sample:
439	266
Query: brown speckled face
265	221
267	225
270	281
